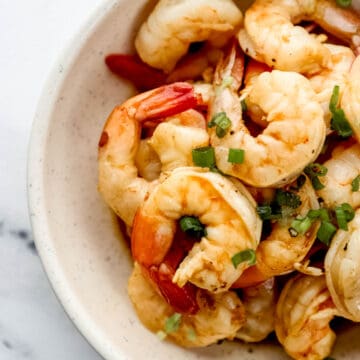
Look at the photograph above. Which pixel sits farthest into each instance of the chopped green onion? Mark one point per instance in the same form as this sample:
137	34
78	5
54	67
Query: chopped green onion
344	213
247	255
192	226
323	214
316	169
243	105
339	123
266	212
172	323
191	334
204	156
316	183
343	3
222	123
326	232
161	334
355	184
236	156
287	198
301	226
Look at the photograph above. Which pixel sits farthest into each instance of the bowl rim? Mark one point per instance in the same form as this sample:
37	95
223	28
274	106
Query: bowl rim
35	178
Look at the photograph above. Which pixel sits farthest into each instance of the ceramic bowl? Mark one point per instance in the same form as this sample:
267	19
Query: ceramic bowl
82	249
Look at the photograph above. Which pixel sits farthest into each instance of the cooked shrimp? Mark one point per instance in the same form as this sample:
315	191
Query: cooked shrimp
220	315
147	161
119	183
227	213
303	314
342	269
173	25
343	168
294	135
323	83
269	35
350	101
280	252
259	302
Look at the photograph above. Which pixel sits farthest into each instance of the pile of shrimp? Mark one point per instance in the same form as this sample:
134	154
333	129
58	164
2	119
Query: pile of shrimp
236	170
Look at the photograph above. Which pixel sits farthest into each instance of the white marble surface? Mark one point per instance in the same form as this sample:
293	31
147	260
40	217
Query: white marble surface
33	324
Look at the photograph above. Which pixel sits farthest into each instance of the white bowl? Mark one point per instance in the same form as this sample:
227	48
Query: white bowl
83	252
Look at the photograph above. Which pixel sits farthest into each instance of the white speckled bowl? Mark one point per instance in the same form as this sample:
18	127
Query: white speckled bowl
75	233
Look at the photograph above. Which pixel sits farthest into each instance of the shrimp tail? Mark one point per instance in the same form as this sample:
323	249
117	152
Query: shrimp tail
166	101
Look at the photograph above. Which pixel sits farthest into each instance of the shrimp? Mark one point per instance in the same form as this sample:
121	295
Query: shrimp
279	252
269	35
342	169
342	269
323	83
173	25
226	211
220	315
119	183
350	101
294	135
303	314
259	302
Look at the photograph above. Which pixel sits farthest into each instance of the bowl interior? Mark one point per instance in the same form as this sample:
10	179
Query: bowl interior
84	253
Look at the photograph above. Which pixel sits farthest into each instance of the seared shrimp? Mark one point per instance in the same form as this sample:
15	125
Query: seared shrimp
259	302
173	25
323	83
343	168
280	252
220	315
227	213
342	269
350	101
303	314
119	183
294	135
269	34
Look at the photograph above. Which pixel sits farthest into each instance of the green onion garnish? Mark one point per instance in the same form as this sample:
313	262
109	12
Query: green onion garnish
236	156
322	213
222	123
339	123
326	232
172	323
247	255
301	226
192	226
204	156
355	184
344	213
343	3
314	171
266	212
287	198
243	105
191	334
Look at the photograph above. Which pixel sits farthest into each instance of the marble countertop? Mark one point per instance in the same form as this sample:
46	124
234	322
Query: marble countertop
33	324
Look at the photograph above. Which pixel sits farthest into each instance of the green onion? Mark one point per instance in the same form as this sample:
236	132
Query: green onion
344	213
243	105
323	214
314	171
343	3
191	334
339	123
287	198
266	212
204	156
247	255
172	323
355	184
301	226
349	211
192	226
326	232
161	334
222	123
236	156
